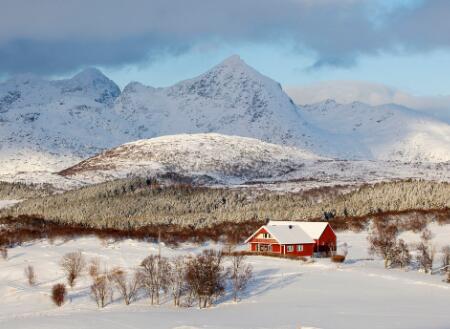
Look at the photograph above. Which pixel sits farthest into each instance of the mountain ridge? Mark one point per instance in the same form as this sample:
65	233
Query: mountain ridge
51	125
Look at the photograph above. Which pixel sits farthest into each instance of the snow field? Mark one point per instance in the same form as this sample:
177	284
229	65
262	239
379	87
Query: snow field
284	294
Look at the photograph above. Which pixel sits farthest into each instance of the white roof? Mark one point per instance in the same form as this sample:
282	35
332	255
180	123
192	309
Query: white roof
285	234
288	235
313	229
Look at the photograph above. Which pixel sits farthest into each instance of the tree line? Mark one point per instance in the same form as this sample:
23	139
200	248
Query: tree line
138	202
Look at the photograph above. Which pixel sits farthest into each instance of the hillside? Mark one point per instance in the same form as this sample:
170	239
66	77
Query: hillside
220	157
139	202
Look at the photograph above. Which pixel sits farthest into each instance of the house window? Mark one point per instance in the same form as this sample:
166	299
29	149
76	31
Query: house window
299	247
290	248
265	248
266	235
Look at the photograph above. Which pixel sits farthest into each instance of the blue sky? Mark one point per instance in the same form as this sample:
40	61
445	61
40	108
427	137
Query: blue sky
418	74
403	44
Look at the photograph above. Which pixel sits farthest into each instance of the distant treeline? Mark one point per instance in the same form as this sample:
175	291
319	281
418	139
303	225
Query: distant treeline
133	203
19	191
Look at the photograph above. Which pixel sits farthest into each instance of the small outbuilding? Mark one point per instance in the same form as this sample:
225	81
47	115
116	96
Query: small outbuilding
294	238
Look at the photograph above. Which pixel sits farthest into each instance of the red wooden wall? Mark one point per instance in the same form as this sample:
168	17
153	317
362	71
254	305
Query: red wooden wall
328	237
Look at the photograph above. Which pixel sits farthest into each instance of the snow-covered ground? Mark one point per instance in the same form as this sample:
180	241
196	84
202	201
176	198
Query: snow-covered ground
284	294
8	203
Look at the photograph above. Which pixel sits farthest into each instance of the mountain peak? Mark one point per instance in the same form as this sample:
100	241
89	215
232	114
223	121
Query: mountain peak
92	80
234	60
235	64
90	74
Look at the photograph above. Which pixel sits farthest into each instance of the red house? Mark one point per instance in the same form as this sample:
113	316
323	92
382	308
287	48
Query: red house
293	238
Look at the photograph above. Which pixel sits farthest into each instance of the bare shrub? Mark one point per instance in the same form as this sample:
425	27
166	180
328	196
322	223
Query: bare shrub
445	259
424	257
73	264
101	290
382	240
416	223
425	252
94	268
30	275
4	253
127	287
240	274
205	277
400	256
153	271
338	258
59	294
177	279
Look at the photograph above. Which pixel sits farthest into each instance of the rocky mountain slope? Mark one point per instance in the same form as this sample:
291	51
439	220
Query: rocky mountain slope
51	125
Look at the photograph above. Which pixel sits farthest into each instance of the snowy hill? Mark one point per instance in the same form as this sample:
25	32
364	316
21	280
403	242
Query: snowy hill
51	125
386	132
218	156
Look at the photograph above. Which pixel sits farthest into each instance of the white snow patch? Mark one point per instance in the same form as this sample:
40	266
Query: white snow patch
8	203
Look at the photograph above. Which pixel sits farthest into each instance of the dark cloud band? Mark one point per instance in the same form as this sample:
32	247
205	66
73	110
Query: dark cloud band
53	36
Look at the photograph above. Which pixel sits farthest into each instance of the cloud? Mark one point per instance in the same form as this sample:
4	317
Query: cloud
53	36
346	92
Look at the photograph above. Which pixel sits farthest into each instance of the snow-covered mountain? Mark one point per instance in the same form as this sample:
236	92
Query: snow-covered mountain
51	125
386	132
232	98
48	124
218	156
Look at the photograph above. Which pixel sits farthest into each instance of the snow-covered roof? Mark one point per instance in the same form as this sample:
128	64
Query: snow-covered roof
312	229
286	234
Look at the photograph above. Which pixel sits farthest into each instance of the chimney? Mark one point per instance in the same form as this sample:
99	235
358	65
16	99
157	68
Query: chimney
290	226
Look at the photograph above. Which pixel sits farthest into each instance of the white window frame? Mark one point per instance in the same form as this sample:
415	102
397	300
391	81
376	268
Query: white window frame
290	248
299	248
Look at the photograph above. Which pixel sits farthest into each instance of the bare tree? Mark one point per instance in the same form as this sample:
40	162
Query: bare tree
128	287
101	290
4	253
425	252
177	279
154	273
424	257
445	260
205	277
382	240
94	268
400	256
240	274
73	264
30	275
